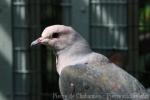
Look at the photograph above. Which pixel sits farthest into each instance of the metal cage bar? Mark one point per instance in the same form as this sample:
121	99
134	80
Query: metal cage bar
26	68
111	27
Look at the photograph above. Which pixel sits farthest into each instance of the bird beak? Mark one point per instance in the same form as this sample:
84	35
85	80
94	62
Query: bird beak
37	41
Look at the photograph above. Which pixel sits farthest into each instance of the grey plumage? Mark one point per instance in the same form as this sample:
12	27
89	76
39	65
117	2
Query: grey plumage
83	82
83	71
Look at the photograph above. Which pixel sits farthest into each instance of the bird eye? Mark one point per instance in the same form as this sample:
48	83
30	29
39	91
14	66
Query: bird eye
55	35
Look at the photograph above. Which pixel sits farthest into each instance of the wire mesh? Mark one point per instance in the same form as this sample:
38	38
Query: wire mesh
25	69
114	27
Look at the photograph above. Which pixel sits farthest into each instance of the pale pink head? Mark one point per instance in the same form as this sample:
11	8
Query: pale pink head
56	36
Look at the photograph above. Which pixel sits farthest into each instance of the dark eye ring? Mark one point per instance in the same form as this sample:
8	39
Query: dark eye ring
55	35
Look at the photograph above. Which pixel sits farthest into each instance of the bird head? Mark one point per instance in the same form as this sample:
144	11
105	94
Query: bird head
57	37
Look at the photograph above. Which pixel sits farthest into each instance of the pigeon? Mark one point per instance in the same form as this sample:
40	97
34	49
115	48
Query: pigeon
85	74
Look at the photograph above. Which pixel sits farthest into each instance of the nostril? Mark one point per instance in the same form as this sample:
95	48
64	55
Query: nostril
39	40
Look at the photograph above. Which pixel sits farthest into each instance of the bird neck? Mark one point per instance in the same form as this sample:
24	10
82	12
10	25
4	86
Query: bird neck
72	55
80	47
